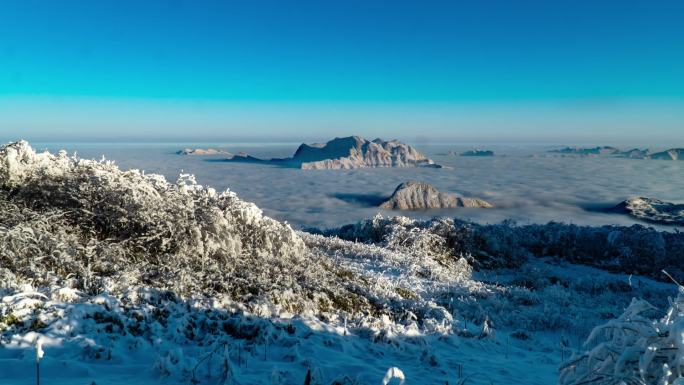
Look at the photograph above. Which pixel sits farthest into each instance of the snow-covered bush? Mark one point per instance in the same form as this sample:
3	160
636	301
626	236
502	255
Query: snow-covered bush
145	211
633	349
87	224
488	246
633	250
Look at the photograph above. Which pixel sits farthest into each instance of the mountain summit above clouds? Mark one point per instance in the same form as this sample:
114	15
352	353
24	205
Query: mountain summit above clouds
421	196
349	153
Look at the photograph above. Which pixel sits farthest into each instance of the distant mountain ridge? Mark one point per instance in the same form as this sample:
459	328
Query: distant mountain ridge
635	153
671	154
348	153
602	150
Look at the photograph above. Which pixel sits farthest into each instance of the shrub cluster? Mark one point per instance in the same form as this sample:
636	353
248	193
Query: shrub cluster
633	250
86	224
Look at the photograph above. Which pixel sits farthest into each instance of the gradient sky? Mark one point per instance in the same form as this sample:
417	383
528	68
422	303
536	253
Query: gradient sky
539	70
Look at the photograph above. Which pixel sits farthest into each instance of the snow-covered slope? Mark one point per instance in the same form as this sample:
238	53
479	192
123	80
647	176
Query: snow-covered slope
124	277
90	226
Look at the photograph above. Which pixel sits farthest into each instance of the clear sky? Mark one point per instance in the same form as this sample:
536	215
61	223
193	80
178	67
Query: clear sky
288	70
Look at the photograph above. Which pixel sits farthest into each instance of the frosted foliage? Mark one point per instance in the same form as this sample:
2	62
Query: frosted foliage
633	349
88	225
144	208
507	244
404	234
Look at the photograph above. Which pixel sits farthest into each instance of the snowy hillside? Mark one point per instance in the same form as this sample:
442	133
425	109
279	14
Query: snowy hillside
123	277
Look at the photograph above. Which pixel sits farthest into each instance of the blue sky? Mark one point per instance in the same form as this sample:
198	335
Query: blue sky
444	70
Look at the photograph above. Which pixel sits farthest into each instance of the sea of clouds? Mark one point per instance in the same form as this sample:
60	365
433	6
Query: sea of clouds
524	182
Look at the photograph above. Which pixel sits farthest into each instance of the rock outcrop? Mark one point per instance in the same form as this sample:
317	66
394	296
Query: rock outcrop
350	153
478	153
652	210
422	196
202	151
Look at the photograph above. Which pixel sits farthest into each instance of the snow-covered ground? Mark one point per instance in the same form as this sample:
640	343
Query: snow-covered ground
144	338
123	277
79	349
